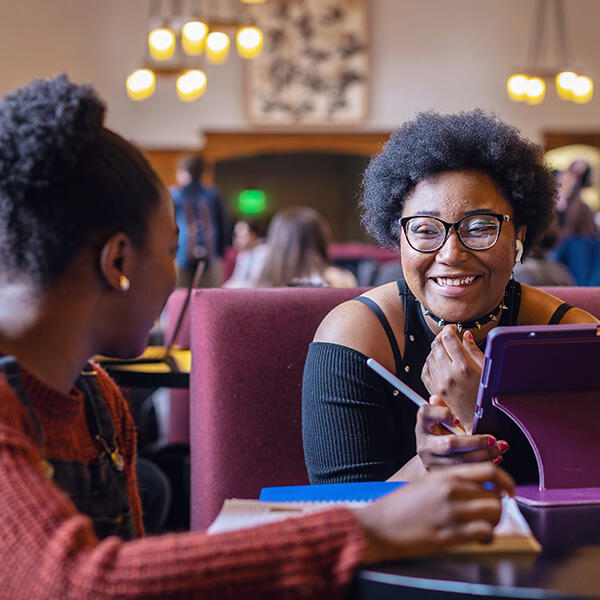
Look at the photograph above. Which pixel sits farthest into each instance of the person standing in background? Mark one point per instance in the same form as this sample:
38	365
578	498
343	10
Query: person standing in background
203	222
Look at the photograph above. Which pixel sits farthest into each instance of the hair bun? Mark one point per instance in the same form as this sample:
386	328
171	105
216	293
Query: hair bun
44	127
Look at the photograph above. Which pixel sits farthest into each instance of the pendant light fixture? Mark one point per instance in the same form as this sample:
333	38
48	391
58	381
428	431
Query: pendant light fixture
180	35
529	84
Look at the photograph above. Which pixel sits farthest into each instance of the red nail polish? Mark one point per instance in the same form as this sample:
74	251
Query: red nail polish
497	460
469	336
491	441
456	421
503	446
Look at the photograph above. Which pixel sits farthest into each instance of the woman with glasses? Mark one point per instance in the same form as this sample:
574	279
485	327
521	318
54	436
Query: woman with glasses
461	197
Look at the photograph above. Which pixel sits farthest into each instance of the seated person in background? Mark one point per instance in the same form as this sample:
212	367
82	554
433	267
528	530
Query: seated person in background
388	271
297	254
462	197
249	241
538	268
88	241
575	217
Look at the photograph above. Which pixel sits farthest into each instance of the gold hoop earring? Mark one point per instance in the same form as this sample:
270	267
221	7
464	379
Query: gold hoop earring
124	283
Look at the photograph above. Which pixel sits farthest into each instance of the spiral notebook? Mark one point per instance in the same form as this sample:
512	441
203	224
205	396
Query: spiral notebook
512	534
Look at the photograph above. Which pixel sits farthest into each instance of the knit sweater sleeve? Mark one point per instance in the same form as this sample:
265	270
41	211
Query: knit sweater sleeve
351	426
48	549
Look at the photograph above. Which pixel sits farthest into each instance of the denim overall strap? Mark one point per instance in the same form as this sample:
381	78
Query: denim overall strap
10	367
98	489
98	416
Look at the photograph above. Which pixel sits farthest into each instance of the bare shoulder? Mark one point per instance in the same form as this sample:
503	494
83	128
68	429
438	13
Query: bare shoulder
537	307
354	325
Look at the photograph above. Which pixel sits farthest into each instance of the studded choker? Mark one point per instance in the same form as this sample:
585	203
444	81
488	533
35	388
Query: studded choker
475	323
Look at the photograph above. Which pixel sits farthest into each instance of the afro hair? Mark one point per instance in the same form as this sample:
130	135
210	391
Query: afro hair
433	143
64	179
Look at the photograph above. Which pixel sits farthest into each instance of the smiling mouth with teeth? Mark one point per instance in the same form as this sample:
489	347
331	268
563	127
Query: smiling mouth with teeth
455	281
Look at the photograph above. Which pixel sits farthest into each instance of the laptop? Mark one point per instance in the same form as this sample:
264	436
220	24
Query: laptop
162	354
540	391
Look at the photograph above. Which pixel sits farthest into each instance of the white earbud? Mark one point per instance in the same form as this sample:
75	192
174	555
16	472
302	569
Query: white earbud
518	250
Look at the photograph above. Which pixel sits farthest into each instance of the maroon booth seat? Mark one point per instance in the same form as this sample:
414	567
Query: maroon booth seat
248	349
179	400
170	315
587	298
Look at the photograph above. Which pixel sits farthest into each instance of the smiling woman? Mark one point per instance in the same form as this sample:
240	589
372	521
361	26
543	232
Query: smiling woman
461	197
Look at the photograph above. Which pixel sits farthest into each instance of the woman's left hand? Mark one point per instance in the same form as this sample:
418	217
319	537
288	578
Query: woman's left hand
453	370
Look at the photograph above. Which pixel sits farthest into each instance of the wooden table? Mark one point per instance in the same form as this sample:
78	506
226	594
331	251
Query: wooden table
172	374
568	567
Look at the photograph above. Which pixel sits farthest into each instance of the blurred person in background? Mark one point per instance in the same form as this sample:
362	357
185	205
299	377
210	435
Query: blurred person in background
249	242
297	254
575	217
203	222
538	268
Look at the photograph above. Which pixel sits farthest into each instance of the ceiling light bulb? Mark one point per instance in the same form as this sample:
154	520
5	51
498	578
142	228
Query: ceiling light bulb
516	87
217	47
191	85
565	79
583	89
161	43
535	90
249	42
193	36
141	84
564	84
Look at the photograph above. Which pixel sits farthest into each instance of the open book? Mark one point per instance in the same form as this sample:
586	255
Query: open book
512	534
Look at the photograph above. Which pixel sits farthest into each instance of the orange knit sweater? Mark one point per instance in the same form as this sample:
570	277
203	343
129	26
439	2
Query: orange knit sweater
49	550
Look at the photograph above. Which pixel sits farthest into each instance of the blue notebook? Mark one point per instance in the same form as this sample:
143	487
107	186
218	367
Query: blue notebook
364	491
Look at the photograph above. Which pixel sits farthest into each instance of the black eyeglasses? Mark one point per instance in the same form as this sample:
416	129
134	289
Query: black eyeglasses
476	232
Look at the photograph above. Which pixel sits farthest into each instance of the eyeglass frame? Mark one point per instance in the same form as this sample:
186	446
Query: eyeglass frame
447	226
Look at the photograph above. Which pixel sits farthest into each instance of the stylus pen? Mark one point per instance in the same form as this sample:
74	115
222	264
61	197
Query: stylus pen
406	390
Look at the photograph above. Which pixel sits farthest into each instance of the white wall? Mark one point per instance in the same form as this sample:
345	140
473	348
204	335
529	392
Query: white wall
444	54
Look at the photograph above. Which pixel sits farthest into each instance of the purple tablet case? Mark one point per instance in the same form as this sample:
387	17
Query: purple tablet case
540	391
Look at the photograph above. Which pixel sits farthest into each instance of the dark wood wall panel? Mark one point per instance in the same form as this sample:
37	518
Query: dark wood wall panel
556	139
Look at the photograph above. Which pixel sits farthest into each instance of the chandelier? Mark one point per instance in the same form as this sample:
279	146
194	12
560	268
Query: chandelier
181	35
529	84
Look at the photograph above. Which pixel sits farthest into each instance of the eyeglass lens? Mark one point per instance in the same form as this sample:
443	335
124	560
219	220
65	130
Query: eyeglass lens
478	232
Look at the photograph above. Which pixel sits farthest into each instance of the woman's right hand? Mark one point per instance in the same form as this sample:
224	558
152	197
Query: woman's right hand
437	447
444	508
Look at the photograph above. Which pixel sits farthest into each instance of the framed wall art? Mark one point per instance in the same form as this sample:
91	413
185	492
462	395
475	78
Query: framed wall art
314	67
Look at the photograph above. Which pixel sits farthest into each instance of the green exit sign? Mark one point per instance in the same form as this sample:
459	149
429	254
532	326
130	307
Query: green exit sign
252	202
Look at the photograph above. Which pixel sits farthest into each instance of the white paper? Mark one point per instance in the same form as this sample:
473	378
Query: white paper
511	534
